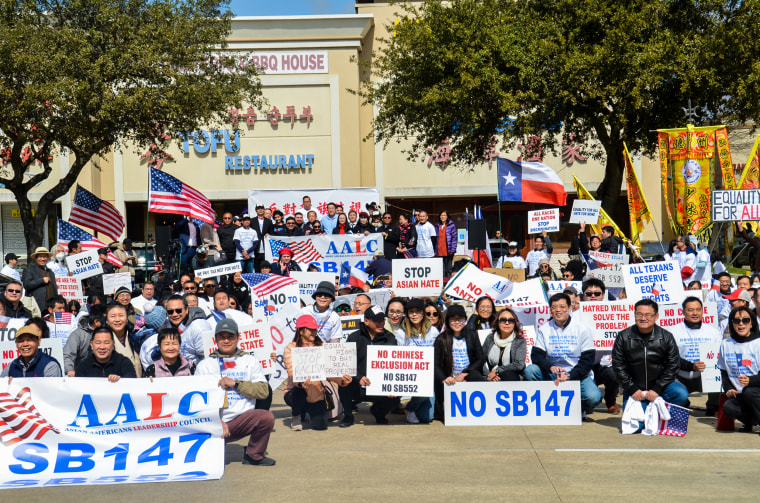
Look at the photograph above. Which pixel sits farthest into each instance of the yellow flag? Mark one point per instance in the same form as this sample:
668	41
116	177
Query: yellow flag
638	209
604	218
751	175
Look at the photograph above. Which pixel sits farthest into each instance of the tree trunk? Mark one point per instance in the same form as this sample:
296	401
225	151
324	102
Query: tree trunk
609	190
34	232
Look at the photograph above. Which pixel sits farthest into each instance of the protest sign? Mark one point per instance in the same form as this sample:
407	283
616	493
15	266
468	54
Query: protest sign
711	378
308	282
8	327
70	287
585	211
91	431
308	364
607	267
534	316
471	283
291	201
219	270
606	319
418	277
659	281
529	333
112	282
513	275
340	359
561	286
327	251
512	403
735	205
378	296
398	370
255	338
543	220
50	347
84	265
672	314
350	325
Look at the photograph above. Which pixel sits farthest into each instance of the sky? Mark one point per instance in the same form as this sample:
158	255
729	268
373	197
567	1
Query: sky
290	7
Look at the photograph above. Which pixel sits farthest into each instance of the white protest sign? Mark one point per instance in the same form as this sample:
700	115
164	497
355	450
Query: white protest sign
84	265
418	277
483	333
606	319
219	270
70	287
735	205
112	282
394	370
340	359
254	338
543	220
512	403
8	327
308	281
610	267
308	364
51	347
529	333
711	378
378	296
672	314
560	286
585	211
659	281
350	325
470	283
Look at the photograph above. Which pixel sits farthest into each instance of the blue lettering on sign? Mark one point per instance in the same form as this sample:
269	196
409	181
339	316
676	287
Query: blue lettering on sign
21	453
130	413
66	462
329	267
458	404
520	403
477	412
502	398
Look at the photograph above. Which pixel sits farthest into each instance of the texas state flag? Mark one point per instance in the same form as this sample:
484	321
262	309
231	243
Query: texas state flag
530	182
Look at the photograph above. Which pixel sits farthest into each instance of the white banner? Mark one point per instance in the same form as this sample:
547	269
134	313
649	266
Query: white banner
585	211
91	431
560	286
513	403
308	282
112	282
659	281
84	265
543	220
606	319
327	251
417	277
51	347
290	201
70	287
400	371
255	338
735	205
219	270
471	283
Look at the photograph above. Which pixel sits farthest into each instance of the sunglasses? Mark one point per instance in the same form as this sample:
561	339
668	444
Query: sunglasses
343	309
10	290
507	321
172	311
432	314
742	321
593	294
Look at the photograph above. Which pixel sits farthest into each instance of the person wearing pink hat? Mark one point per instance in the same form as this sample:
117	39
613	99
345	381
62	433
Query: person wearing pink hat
307	397
285	265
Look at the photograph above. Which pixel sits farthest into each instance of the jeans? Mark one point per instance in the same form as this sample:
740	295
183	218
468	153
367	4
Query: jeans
675	393
246	264
317	411
606	376
422	407
591	396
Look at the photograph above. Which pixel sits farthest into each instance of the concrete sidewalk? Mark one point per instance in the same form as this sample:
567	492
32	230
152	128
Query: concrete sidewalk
402	462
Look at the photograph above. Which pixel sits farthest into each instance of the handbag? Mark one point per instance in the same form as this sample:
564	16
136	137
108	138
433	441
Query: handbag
329	399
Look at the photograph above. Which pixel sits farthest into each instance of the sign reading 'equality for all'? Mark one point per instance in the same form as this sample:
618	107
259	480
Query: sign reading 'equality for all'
735	205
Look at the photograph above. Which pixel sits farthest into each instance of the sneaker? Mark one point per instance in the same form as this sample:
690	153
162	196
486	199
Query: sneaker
411	417
295	423
613	409
346	421
265	461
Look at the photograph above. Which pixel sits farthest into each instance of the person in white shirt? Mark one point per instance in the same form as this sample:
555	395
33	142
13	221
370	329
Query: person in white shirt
57	262
513	257
9	269
246	241
564	350
330	327
222	307
146	297
425	231
240	375
307	207
535	255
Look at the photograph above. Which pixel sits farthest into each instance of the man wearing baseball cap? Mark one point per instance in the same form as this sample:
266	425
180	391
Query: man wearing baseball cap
371	332
9	269
31	361
240	375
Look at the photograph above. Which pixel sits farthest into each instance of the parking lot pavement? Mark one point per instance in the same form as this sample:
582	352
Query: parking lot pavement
403	462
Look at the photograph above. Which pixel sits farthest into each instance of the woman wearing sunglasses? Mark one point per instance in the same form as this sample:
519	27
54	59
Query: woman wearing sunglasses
434	314
417	330
739	362
342	307
505	349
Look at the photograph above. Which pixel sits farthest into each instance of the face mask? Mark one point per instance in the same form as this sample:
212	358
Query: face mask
60	256
756	285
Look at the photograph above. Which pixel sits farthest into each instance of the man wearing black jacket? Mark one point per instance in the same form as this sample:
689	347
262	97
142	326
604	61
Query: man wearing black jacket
103	361
371	333
264	227
226	233
646	359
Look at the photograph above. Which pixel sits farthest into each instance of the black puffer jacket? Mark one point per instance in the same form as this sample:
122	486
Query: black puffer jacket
644	362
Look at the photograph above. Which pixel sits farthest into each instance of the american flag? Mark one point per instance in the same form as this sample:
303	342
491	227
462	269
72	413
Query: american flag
20	420
678	422
62	318
90	211
303	251
263	284
68	232
169	195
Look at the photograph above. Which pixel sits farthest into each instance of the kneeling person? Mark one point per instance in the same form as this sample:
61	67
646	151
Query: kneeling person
31	361
103	361
241	376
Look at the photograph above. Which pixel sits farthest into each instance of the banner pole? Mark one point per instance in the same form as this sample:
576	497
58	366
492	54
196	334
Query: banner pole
147	220
659	237
501	239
